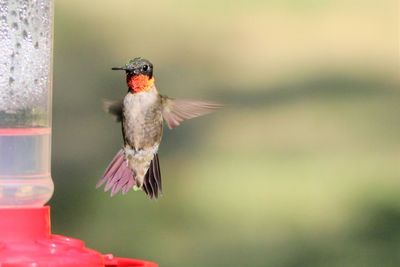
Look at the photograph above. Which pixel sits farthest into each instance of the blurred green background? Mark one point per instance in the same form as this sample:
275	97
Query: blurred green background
302	166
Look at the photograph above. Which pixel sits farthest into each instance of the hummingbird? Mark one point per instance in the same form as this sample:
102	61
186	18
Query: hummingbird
142	113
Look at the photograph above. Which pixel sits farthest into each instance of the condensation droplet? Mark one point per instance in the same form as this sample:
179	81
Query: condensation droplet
25	26
14	25
25	34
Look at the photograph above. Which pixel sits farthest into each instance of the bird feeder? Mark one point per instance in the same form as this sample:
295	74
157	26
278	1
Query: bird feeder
26	40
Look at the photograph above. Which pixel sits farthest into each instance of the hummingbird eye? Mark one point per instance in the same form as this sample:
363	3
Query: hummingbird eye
145	67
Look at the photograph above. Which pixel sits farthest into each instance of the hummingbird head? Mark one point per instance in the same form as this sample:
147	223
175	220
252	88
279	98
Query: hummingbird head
137	66
139	74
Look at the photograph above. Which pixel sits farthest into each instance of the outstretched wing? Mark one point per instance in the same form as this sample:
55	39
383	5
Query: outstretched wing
175	111
114	107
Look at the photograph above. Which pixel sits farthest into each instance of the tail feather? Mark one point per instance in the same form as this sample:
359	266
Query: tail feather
114	176
128	186
147	187
111	168
152	180
118	176
124	177
158	173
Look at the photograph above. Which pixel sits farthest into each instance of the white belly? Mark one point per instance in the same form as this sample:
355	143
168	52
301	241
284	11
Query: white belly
142	119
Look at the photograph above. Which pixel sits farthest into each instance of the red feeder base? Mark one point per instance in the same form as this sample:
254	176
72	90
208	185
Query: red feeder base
26	241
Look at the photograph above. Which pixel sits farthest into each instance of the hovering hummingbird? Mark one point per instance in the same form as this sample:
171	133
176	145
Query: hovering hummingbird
142	112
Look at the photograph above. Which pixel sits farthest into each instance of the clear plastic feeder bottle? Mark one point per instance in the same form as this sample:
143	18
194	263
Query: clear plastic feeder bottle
26	33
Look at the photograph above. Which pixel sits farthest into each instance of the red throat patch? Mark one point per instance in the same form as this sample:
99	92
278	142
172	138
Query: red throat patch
139	83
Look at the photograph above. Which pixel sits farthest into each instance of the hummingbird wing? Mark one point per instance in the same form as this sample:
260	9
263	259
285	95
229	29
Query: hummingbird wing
175	111
114	107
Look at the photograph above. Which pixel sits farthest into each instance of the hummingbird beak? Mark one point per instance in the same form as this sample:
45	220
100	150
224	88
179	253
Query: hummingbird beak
128	70
118	68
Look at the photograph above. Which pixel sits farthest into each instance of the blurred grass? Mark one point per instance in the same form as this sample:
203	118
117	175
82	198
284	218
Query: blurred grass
301	168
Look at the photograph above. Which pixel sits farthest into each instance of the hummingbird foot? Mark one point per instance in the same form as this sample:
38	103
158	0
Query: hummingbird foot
136	188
